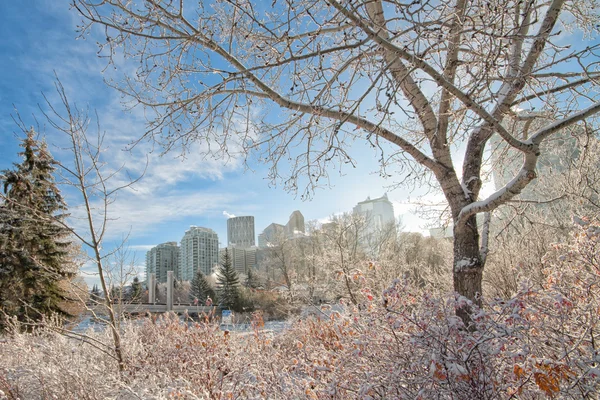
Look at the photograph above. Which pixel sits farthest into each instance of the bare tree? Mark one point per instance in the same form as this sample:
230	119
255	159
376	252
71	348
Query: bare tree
87	173
281	260
119	269
344	252
526	227
422	260
418	80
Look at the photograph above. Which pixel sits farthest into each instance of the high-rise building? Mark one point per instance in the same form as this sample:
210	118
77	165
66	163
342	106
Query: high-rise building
262	240
295	224
379	217
242	259
199	250
271	234
275	233
240	232
162	258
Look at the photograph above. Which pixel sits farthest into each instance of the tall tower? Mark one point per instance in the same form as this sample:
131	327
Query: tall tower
272	234
295	224
162	258
240	232
243	259
199	250
379	218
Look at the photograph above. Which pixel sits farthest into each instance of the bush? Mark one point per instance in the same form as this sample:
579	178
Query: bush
405	343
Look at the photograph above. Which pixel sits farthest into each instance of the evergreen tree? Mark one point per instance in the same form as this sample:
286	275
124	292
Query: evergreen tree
136	290
34	245
201	289
95	295
116	294
252	280
10	292
228	284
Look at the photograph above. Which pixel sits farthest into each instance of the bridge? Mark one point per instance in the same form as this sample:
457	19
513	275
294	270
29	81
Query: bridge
152	307
144	308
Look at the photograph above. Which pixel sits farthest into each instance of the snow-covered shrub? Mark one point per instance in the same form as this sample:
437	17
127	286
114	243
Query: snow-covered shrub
409	344
405	343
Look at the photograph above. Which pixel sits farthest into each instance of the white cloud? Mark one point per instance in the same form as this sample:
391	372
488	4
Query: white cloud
131	215
227	215
141	247
329	218
157	197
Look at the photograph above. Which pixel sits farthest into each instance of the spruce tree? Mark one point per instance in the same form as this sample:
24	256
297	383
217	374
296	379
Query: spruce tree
116	294
252	280
136	290
95	295
201	289
228	284
34	243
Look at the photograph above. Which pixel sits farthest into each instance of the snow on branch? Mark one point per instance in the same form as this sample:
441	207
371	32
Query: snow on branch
539	136
527	172
512	188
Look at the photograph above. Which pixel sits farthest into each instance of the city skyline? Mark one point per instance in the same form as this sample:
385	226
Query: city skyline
241	243
178	189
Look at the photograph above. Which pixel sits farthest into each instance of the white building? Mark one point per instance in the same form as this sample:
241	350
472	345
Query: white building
240	232
379	218
199	250
272	234
295	225
162	258
275	233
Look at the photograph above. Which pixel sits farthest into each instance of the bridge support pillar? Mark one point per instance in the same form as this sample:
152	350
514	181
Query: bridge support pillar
151	287
169	290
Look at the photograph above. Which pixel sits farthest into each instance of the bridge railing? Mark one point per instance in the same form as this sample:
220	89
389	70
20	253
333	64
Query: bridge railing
143	308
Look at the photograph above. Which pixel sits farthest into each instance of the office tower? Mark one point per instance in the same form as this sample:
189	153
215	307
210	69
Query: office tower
295	224
242	259
199	250
162	258
272	234
379	218
240	232
262	240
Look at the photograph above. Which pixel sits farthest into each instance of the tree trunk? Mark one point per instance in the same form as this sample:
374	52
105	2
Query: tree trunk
468	266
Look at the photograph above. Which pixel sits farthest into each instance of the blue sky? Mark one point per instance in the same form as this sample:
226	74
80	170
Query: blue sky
38	38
